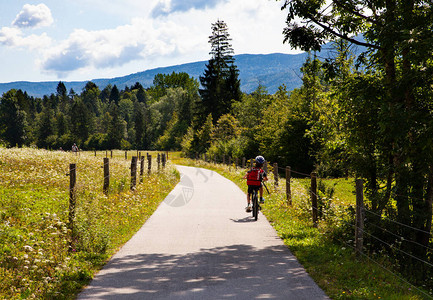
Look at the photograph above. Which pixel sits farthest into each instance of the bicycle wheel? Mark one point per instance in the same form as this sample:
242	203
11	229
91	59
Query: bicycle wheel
255	205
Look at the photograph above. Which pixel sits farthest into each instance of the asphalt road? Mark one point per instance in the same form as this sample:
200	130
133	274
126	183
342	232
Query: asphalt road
201	244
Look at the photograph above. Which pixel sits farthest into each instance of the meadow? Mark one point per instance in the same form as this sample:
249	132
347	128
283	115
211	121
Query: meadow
41	256
326	252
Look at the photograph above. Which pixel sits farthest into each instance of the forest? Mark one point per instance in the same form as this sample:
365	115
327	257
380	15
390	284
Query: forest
368	115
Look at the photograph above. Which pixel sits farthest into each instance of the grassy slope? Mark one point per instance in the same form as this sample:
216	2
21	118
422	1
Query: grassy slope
36	260
325	252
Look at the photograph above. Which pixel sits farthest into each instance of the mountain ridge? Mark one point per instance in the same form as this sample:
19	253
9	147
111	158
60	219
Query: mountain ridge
269	70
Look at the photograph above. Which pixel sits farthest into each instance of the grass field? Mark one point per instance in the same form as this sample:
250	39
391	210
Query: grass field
41	257
327	251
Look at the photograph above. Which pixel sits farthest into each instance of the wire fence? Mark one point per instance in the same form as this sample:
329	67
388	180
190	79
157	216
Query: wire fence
358	226
121	175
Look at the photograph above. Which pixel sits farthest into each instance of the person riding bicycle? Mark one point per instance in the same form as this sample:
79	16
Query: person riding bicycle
255	176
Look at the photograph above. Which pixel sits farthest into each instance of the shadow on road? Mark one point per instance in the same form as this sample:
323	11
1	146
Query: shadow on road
244	220
224	272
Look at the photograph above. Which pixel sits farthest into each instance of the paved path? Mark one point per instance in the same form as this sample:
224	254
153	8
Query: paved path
200	244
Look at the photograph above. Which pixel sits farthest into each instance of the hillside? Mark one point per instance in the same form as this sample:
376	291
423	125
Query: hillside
269	70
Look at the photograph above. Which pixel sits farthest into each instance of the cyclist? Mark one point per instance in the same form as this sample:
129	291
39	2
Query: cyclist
254	178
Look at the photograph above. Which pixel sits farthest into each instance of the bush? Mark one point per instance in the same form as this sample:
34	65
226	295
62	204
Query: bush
125	145
97	141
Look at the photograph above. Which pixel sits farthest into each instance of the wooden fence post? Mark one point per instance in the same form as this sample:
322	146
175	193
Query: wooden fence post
237	162
106	153
314	197
133	172
72	195
265	167
141	168
72	202
288	190
359	228
163	160
276	175
95	153
149	164
106	175
126	155
243	162
111	154
158	160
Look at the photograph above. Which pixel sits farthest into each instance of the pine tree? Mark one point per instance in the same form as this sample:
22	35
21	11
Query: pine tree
61	89
220	80
12	120
81	121
46	128
115	95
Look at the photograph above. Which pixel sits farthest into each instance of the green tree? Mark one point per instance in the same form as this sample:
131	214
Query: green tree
281	134
117	129
45	128
61	126
225	137
115	95
220	81
171	138
249	113
141	95
12	120
198	141
398	37
163	82
90	97
61	89
140	125
81	121
105	93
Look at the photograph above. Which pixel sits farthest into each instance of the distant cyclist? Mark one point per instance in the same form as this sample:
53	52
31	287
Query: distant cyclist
255	176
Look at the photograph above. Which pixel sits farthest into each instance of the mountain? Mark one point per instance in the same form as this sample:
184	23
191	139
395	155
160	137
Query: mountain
269	70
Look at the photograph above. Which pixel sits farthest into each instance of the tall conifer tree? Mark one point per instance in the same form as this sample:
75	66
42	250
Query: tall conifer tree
220	80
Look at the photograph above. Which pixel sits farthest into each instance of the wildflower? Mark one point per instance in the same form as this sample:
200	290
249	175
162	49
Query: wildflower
28	248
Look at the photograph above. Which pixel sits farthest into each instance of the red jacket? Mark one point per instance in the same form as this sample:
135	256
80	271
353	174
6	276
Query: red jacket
255	176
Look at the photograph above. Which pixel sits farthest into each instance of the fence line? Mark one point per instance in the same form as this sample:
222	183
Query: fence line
360	216
396	222
401	238
386	269
310	176
356	227
373	260
106	178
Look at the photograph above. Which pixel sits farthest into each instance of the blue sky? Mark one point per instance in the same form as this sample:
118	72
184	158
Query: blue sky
85	39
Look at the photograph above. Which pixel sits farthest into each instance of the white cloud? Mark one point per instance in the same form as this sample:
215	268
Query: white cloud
166	7
140	40
13	37
179	35
33	16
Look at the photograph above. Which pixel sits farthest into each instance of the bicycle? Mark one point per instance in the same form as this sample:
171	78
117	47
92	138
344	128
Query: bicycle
256	206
